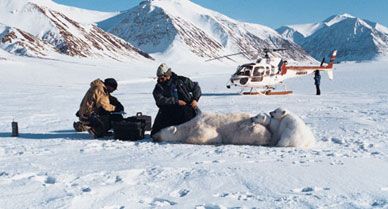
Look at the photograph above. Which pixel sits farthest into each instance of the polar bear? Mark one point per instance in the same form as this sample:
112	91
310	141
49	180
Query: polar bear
270	123
291	130
212	128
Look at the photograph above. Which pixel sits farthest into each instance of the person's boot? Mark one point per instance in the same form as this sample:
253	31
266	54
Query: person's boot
79	126
96	132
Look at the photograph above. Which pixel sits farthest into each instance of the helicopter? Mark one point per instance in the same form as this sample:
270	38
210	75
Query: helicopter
266	73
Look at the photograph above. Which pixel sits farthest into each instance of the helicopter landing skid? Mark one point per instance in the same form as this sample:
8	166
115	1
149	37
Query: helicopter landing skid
267	92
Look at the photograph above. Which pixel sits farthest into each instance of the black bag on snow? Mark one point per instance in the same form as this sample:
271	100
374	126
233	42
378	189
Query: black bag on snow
128	129
147	119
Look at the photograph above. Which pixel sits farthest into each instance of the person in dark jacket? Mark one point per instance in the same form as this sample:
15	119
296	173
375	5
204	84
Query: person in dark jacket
317	81
177	98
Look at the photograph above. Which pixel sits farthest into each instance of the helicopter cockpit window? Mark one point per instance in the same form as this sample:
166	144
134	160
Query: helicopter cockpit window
246	70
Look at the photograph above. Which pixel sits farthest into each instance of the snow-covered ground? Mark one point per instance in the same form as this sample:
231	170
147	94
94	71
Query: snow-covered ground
50	166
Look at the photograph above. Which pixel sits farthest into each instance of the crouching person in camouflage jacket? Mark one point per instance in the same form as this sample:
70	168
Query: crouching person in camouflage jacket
96	107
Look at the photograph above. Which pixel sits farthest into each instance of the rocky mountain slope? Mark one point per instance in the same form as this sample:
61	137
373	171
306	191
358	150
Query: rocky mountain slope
180	26
35	29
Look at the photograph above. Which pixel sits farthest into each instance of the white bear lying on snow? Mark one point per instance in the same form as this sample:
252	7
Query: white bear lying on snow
287	129
212	128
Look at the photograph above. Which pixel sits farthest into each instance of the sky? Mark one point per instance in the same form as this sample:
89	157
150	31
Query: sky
272	13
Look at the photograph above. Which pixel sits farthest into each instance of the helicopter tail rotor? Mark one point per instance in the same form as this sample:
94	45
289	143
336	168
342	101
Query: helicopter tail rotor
331	64
332	59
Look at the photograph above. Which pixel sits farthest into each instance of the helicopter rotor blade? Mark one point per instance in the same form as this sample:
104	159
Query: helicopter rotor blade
246	54
228	56
278	50
273	50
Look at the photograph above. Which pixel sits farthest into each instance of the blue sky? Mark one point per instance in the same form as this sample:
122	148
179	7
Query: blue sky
272	13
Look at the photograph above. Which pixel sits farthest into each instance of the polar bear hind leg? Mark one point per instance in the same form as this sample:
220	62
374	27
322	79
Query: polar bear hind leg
286	138
309	138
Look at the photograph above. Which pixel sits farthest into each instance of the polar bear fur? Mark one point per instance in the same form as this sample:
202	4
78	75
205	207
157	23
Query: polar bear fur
291	130
212	128
271	124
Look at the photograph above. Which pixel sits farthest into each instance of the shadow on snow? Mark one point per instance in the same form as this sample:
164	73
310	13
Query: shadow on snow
64	134
60	134
219	94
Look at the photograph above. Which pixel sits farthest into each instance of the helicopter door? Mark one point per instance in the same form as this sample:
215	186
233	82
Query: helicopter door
258	74
267	71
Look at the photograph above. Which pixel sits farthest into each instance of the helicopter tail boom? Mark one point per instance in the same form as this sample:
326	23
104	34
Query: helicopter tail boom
328	68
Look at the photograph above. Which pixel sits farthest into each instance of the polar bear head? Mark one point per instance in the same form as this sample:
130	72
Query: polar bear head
279	113
262	118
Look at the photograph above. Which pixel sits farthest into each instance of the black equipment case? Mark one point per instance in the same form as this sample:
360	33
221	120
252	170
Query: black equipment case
146	118
131	128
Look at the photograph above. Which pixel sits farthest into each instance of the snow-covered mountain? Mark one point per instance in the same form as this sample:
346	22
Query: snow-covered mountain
355	39
46	29
174	27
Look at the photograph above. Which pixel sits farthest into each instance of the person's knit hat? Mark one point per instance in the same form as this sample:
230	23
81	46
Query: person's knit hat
163	69
111	82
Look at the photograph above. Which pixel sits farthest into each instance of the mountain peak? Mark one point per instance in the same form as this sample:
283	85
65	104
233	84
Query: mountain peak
163	3
166	1
179	26
179	7
346	15
337	18
355	39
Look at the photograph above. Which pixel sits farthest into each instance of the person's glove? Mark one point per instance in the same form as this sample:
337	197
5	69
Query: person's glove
119	108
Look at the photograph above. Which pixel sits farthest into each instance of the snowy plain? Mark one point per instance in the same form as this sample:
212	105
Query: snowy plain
50	166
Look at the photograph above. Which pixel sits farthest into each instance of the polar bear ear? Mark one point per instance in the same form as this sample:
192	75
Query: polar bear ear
174	130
